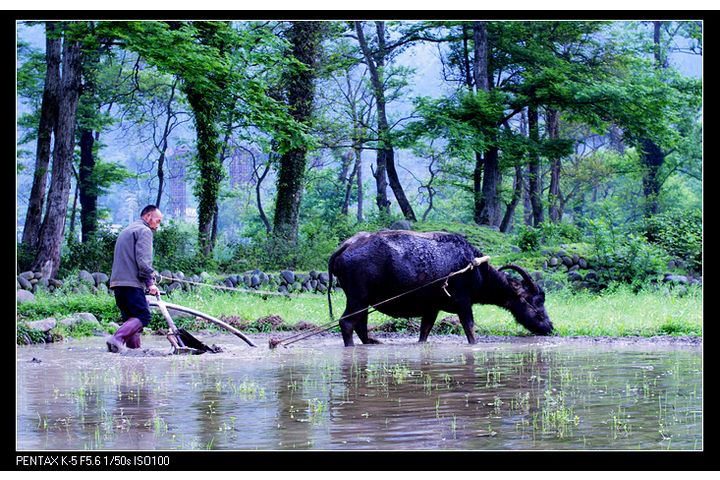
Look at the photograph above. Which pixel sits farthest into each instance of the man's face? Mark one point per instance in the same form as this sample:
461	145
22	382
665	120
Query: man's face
153	219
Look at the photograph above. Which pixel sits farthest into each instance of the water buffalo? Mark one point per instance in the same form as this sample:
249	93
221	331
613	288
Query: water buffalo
374	267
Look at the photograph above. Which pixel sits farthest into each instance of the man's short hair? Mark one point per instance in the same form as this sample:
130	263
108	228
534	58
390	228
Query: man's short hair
148	209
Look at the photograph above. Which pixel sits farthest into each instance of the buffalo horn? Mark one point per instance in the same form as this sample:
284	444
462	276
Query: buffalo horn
522	273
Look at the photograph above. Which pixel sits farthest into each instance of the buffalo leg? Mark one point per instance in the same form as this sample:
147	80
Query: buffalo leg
468	323
426	324
356	322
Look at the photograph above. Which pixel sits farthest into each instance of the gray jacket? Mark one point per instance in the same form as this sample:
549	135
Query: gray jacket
132	261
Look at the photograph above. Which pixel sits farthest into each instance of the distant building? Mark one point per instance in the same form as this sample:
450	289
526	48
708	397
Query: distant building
177	184
240	166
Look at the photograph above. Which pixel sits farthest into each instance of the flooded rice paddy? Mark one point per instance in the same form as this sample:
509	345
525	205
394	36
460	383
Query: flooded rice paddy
501	394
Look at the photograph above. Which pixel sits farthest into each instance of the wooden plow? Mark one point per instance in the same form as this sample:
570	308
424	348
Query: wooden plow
180	339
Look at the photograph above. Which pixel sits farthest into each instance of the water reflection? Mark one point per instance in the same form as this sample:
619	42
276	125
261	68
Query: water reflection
527	395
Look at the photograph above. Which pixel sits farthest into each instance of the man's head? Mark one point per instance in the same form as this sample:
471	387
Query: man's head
151	214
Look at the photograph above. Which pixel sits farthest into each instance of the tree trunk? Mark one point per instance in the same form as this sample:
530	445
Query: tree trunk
491	178
517	194
486	203
86	185
305	39
553	128
358	163
651	155
534	177
652	159
48	120
385	152
164	144
480	72
53	226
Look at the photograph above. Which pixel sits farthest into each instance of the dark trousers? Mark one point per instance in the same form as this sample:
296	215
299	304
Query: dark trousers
132	303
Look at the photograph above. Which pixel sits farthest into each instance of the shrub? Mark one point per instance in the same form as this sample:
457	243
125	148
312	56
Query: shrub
529	238
174	249
95	254
678	232
624	257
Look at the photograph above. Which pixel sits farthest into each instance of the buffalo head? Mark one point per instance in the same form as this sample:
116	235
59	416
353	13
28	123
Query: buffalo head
527	303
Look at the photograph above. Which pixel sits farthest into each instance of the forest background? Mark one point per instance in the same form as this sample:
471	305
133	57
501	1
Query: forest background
267	143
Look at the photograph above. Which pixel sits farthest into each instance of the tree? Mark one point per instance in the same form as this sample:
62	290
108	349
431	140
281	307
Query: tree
299	89
376	62
652	155
53	226
47	123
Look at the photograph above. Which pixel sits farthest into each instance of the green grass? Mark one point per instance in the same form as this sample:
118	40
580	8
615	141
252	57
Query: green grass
617	313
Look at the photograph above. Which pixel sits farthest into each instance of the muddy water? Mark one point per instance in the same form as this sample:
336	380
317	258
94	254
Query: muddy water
522	394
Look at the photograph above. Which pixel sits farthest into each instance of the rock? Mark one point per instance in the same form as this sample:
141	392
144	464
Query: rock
575	276
255	281
567	261
288	276
324	278
27	275
550	285
166	277
591	277
583	263
553	262
44	325
24	296
402	225
86	317
24	283
314	274
682	279
86	278
100	278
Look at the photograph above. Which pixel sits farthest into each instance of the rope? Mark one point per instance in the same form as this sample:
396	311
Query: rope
327	326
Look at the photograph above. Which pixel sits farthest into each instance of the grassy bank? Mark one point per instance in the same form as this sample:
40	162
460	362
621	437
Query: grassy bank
615	312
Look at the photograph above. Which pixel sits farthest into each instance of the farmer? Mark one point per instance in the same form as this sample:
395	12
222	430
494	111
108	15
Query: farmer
132	274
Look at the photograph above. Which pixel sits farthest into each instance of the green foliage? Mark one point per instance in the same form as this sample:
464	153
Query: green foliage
95	254
25	257
529	239
26	335
174	249
679	232
623	256
316	241
62	305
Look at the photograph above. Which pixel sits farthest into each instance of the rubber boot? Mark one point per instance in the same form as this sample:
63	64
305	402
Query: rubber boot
133	342
127	330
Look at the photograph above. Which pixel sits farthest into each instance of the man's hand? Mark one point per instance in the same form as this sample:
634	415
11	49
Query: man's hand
153	290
